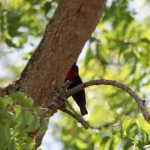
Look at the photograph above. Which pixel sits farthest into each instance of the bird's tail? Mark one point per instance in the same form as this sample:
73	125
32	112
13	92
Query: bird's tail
83	110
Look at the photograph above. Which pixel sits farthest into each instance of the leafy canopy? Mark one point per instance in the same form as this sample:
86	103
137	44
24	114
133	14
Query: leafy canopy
118	49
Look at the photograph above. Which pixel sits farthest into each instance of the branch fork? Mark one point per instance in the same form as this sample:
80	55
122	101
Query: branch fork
60	96
58	101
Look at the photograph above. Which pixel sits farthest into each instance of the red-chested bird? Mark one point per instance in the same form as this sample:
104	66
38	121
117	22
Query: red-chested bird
79	97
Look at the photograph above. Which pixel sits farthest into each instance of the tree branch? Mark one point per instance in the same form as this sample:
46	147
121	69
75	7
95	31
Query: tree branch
73	21
105	125
11	88
60	96
85	125
139	101
72	109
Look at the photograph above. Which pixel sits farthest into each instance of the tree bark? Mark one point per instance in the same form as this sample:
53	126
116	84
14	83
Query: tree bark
63	40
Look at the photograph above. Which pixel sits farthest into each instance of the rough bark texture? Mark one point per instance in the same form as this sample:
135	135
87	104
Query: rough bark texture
64	38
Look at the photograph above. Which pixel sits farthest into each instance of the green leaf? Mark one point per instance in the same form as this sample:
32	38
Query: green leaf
17	110
44	127
108	143
36	109
4	134
94	139
12	144
128	144
145	40
89	56
14	33
34	125
29	102
2	115
10	43
29	117
13	16
11	119
28	55
47	7
145	126
80	144
30	143
19	96
21	119
4	102
103	142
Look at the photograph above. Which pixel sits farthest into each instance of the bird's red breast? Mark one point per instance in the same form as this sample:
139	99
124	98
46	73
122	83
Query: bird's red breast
71	73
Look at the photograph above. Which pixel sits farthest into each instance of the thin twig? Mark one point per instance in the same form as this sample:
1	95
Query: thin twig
105	125
60	95
139	101
75	117
72	109
68	104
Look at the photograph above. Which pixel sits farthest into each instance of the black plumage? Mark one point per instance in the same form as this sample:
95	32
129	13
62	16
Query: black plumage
79	97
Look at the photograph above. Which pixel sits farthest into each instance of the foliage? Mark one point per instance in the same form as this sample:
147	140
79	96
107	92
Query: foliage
18	119
122	135
20	23
118	49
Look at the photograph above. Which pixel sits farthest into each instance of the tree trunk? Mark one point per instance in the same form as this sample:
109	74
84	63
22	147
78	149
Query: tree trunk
64	38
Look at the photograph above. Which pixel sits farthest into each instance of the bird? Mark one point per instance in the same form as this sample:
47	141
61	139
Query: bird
79	97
